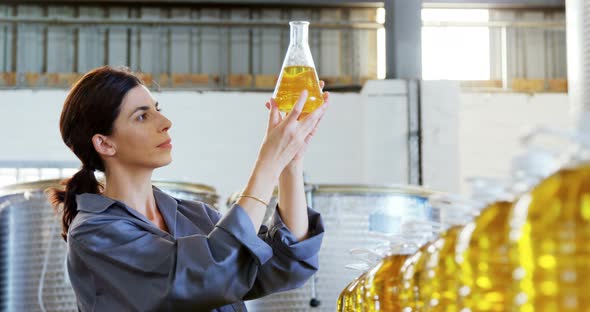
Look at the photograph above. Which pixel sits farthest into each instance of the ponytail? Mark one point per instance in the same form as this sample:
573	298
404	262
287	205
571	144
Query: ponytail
83	181
91	107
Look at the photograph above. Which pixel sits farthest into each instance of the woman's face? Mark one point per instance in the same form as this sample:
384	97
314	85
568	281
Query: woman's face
140	133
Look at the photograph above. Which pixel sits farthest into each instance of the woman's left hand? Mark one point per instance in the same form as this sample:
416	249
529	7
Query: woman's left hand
297	161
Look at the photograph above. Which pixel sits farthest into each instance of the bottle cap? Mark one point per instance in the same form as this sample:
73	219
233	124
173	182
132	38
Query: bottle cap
453	209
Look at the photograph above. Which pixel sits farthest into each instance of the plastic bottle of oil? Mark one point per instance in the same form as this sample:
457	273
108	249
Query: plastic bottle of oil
373	289
412	270
381	287
549	240
348	301
478	289
378	287
482	256
438	285
483	251
352	298
298	73
382	283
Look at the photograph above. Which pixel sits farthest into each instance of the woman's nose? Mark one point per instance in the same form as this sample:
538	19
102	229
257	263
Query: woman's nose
166	125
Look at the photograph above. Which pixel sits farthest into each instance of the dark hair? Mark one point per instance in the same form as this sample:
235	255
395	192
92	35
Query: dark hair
93	104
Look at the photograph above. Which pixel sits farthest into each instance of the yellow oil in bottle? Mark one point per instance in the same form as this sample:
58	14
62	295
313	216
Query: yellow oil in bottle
359	294
412	269
292	81
340	303
382	285
485	267
439	284
347	301
550	241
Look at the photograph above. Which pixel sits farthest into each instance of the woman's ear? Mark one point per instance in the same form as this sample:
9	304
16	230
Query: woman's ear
103	145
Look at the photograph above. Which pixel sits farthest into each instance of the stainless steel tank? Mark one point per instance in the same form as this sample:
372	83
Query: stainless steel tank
32	252
350	214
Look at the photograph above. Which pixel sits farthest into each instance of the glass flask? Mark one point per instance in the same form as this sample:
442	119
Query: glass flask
549	240
298	73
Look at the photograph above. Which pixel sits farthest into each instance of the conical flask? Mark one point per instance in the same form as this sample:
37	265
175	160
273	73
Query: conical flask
298	73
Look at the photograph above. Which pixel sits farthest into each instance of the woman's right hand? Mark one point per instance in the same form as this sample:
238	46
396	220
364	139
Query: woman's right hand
285	138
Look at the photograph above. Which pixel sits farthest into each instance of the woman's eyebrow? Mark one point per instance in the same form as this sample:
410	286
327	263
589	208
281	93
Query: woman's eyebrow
141	108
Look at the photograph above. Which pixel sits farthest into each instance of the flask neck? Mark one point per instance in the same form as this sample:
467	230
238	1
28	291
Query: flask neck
299	33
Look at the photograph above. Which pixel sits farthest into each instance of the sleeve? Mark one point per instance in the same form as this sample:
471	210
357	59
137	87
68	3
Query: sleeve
204	270
294	262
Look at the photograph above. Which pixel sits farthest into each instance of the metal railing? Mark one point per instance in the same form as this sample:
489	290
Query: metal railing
210	49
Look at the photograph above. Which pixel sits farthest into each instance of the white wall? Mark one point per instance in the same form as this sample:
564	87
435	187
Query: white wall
362	139
490	126
216	136
441	162
29	126
384	125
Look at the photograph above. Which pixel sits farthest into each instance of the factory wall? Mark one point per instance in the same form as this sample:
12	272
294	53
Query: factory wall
363	138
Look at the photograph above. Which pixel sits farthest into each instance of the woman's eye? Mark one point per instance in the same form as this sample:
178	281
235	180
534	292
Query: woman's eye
142	117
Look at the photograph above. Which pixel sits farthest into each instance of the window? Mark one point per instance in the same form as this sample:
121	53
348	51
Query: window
455	52
24	172
8	176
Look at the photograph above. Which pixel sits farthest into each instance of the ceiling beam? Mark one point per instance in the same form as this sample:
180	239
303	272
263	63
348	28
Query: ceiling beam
509	4
209	3
318	3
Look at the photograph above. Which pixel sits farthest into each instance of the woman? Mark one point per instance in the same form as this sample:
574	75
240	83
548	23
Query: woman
132	247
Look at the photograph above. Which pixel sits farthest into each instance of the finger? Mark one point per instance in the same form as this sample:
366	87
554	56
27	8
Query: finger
273	103
302	150
270	124
326	96
267	105
298	108
275	115
280	116
272	117
307	139
312	119
317	125
322	84
314	130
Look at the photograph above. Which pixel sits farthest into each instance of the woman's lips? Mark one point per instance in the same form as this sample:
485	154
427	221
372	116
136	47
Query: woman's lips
166	144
